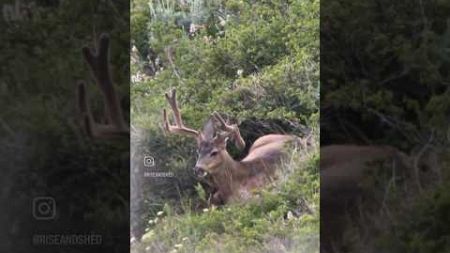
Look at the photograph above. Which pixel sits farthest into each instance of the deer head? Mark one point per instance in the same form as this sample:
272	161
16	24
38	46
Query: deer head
211	140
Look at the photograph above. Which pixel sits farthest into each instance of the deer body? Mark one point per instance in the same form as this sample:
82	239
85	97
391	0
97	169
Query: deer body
343	171
232	180
346	165
236	179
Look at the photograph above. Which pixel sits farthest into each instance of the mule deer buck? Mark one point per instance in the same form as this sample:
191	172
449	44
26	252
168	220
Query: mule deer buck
233	180
346	171
98	62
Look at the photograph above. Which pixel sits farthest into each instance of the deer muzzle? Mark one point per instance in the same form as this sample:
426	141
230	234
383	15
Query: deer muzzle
200	172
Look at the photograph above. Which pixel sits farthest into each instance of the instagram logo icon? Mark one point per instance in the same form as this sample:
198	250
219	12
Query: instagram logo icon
44	208
149	161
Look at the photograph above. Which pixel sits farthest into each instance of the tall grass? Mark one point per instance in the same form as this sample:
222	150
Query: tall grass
282	217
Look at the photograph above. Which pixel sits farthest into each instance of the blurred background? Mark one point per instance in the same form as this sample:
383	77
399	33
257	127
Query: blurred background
385	81
44	151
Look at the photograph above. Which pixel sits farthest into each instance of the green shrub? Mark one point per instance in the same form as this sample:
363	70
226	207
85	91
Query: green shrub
255	226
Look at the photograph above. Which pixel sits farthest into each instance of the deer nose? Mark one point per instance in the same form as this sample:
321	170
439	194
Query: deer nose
200	172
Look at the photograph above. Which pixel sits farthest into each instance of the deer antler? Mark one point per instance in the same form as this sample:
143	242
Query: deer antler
179	127
231	131
99	66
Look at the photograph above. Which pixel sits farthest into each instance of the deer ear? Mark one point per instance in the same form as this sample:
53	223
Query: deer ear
200	138
221	141
209	130
225	139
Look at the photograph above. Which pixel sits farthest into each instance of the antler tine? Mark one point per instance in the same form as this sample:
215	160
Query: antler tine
81	97
172	100
166	121
230	130
179	126
225	127
98	61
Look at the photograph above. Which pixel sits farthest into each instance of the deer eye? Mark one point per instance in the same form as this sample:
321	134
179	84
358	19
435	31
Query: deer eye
214	153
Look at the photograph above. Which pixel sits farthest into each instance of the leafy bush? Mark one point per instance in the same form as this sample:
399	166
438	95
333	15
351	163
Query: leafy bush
424	228
386	70
283	216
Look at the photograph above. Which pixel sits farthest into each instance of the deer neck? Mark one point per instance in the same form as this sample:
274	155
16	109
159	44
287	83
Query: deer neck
230	174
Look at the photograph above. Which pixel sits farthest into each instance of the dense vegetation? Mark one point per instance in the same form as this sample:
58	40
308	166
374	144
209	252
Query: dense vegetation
385	80
256	62
283	217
